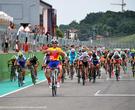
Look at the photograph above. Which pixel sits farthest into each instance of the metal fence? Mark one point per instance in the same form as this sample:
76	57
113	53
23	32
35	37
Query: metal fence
34	40
115	43
38	40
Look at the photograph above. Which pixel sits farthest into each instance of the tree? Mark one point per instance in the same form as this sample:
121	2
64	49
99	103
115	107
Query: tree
59	33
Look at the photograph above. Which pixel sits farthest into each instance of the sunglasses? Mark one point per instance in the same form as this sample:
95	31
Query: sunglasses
54	42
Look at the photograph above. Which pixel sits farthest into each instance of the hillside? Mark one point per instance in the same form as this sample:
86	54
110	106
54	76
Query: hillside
108	24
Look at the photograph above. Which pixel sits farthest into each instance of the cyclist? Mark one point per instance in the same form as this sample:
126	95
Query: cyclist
11	62
95	65
72	58
132	55
124	60
21	61
117	60
55	52
110	65
33	61
84	58
72	55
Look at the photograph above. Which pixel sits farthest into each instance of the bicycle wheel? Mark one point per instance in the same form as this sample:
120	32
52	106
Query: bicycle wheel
71	72
110	71
54	86
63	75
117	74
83	77
79	76
133	70
20	77
20	80
94	75
33	77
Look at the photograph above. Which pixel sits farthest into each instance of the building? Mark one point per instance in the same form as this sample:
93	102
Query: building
35	12
72	34
99	37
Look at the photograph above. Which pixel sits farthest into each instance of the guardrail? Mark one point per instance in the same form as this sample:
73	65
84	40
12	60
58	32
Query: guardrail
37	40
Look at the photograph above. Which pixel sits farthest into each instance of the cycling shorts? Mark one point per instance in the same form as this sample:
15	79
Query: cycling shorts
117	61
22	63
71	61
95	62
53	64
86	64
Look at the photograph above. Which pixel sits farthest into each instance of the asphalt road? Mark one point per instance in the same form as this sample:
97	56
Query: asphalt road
105	94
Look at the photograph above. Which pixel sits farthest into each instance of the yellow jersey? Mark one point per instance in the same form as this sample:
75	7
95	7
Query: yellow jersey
54	55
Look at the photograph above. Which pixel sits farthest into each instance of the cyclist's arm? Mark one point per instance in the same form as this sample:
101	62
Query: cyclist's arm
62	53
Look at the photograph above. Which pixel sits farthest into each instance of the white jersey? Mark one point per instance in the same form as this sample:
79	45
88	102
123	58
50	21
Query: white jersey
84	54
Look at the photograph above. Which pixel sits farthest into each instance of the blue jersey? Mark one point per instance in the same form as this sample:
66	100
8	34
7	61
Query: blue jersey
72	57
21	61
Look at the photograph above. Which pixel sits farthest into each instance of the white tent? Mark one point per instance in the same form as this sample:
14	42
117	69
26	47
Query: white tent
5	18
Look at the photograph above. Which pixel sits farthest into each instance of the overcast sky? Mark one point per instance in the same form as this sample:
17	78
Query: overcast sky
69	10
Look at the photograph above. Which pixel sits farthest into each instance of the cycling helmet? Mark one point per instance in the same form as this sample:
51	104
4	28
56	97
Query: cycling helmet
122	52
54	41
85	54
20	54
13	57
90	53
72	50
116	53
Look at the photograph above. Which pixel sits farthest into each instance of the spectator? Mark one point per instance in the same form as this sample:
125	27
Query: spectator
6	45
21	29
11	26
17	49
44	47
28	29
47	35
26	46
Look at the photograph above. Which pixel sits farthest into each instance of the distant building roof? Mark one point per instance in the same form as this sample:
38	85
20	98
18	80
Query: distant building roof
99	36
43	2
73	30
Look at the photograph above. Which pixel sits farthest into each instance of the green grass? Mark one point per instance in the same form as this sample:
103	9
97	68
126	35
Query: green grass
4	71
126	39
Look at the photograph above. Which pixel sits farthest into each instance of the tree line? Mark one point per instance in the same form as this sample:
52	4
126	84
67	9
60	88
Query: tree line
107	24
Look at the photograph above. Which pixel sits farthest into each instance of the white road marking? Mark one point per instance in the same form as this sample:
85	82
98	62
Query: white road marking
21	89
112	95
22	107
120	79
97	93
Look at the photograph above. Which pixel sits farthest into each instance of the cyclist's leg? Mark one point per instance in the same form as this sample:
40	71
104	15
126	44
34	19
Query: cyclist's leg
35	70
47	74
23	73
60	73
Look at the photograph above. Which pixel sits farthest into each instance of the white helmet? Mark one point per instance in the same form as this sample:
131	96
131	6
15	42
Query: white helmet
54	40
72	50
116	53
85	54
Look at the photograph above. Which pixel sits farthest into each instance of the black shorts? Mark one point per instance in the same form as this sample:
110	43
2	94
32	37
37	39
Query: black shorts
85	64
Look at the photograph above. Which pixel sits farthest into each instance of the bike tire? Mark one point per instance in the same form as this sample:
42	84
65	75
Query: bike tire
83	78
117	76
79	76
94	76
63	76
